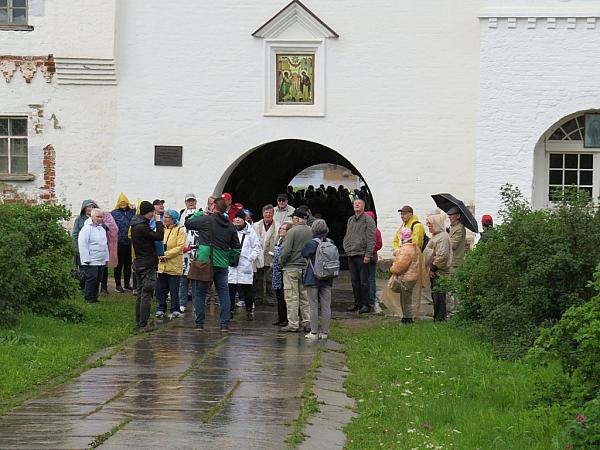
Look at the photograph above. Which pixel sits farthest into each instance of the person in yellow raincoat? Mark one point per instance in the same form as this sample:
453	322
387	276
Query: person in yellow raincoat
123	213
170	265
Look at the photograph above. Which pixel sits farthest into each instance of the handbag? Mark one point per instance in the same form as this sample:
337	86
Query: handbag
203	271
395	284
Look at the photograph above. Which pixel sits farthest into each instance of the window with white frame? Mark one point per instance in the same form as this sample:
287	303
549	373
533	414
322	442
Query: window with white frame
13	145
13	12
568	163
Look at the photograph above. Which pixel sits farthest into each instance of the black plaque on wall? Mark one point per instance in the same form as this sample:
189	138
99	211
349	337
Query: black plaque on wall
168	155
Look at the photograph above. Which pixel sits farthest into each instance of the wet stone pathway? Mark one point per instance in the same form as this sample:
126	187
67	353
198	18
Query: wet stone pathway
176	388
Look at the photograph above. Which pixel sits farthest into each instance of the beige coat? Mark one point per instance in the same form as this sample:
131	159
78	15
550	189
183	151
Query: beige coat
267	241
406	262
438	253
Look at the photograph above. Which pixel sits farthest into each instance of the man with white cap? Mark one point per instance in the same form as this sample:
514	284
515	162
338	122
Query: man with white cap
189	249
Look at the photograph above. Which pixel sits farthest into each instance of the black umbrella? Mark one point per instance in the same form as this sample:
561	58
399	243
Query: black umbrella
447	201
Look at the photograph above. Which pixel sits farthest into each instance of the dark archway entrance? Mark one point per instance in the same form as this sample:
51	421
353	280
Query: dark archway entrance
267	170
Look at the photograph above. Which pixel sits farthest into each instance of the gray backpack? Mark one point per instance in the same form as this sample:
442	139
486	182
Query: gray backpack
327	260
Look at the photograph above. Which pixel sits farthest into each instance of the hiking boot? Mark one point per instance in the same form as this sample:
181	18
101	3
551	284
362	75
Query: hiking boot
288	329
353	308
119	289
311	336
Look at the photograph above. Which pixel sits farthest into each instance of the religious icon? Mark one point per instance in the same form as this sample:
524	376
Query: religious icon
592	131
295	79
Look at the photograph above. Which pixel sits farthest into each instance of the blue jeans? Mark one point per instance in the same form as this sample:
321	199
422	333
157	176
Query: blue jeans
166	283
372	283
183	290
200	289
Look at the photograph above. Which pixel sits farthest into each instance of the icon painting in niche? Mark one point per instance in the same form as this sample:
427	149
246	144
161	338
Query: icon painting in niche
295	79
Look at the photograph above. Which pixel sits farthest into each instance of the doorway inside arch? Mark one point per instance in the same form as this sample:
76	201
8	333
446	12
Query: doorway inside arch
268	170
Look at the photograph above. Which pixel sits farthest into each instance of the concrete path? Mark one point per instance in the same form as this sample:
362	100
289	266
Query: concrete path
176	388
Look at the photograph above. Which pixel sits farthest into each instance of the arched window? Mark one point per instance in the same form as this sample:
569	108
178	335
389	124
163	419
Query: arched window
562	161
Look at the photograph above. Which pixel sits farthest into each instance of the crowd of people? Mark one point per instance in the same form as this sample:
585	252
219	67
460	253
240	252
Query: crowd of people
218	252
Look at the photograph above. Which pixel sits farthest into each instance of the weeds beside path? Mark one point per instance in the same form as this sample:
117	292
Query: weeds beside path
434	386
42	348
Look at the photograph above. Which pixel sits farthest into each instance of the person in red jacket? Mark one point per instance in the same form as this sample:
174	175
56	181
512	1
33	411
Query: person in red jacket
373	268
232	208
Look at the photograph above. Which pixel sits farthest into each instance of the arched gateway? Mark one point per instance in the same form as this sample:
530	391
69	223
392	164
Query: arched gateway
256	177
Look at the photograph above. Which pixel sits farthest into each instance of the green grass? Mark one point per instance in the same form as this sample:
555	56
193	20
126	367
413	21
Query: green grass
41	350
436	386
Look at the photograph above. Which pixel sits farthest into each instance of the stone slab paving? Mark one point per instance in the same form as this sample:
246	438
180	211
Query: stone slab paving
143	383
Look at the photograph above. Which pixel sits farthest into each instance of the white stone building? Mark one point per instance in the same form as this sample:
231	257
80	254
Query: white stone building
418	97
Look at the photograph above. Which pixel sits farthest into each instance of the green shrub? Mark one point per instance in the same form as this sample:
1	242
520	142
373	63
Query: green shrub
575	343
584	428
35	262
533	267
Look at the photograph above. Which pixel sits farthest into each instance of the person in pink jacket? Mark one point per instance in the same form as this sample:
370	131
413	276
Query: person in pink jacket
112	235
373	268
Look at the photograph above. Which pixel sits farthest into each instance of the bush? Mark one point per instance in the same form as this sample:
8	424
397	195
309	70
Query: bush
35	261
575	343
584	428
533	267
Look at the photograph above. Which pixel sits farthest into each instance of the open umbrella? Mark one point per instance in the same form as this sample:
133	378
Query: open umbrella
447	201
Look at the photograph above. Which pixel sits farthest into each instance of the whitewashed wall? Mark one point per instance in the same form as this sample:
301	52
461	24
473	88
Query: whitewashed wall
539	63
401	96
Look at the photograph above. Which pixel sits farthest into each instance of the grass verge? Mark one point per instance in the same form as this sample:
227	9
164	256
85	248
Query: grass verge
435	386
309	403
42	351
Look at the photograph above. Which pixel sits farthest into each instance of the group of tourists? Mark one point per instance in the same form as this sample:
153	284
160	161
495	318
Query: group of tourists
285	258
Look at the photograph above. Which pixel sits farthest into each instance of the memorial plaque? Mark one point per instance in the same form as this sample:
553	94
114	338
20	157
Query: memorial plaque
168	155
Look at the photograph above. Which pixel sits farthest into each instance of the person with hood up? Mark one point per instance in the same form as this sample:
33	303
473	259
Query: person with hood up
407	267
218	243
93	253
170	265
373	267
84	214
123	213
143	239
242	276
438	259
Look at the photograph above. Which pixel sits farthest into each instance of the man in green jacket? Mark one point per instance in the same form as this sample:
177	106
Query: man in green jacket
217	242
293	264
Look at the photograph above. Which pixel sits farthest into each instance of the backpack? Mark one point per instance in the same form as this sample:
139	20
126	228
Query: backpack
327	260
425	237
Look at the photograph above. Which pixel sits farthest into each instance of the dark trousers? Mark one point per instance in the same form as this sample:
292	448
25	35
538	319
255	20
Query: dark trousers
263	279
245	291
124	265
167	284
281	306
93	275
104	279
439	302
359	274
146	281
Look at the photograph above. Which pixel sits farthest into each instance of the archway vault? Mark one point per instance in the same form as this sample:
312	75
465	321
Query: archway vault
266	171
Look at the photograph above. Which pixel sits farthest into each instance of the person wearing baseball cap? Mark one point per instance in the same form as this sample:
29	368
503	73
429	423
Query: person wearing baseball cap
283	210
232	208
487	222
410	221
